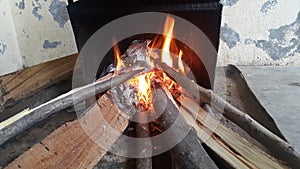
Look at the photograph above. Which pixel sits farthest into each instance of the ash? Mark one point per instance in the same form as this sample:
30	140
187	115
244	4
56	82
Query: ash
137	54
134	58
125	95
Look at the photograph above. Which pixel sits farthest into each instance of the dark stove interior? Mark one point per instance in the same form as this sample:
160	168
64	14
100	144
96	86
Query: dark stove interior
87	16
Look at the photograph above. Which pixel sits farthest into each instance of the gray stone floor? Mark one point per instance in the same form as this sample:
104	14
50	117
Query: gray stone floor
278	90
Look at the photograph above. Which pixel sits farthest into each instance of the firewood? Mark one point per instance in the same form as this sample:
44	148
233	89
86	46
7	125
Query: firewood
143	131
189	153
22	84
279	148
70	146
227	144
23	120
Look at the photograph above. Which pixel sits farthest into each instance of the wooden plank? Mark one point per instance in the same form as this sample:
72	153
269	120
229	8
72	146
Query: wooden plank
234	149
70	146
19	85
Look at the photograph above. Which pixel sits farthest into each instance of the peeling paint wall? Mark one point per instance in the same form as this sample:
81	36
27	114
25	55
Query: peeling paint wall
42	30
261	32
9	49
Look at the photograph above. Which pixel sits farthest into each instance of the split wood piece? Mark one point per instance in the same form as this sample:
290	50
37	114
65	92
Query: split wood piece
279	148
188	153
143	131
70	146
17	86
24	120
231	147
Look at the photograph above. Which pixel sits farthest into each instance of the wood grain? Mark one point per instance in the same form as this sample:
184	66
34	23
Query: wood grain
231	147
70	146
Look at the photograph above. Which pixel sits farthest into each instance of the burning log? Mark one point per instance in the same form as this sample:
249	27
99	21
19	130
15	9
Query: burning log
188	153
24	120
281	149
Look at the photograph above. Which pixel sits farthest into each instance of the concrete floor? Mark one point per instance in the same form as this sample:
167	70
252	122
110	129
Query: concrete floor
278	90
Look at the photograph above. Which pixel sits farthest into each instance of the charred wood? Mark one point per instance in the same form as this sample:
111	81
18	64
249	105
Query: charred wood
188	153
143	131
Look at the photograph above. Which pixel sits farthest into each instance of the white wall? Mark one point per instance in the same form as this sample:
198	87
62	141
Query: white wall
10	59
35	31
260	32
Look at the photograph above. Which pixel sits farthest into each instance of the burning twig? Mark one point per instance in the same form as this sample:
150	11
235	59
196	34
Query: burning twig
188	153
22	121
279	147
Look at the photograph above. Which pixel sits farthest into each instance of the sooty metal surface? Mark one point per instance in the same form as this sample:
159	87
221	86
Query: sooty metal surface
87	16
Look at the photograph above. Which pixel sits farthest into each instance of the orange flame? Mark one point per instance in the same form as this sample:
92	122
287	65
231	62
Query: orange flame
143	86
143	82
168	31
180	64
117	54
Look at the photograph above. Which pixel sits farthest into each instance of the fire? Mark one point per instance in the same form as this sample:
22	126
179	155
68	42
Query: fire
117	54
168	31
142	93
180	64
143	83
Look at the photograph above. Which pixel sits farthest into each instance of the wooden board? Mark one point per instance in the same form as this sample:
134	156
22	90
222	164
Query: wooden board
19	85
231	147
70	146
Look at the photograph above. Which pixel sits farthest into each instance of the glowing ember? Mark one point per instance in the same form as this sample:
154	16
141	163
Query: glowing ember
143	83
